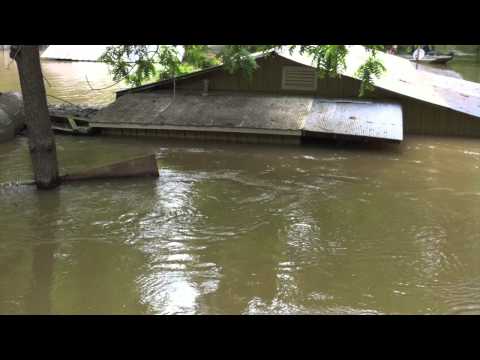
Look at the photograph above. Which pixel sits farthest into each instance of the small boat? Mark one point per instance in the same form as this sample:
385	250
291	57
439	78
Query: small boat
430	58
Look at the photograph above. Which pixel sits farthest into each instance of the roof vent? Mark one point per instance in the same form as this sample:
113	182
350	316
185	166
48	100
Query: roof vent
299	78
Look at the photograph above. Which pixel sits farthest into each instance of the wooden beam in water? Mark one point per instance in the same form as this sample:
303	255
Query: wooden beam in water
138	167
142	166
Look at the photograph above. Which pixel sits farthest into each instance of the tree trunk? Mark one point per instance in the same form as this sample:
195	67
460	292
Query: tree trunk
41	139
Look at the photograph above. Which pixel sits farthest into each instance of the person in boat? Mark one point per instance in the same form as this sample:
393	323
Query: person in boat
393	50
429	50
426	48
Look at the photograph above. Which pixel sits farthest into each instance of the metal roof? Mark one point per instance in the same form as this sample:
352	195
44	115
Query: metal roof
401	77
380	120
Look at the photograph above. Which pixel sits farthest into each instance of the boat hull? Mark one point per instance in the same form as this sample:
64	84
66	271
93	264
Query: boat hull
440	59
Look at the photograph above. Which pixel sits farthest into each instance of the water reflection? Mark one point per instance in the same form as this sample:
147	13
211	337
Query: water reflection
100	265
241	229
45	206
166	286
39	298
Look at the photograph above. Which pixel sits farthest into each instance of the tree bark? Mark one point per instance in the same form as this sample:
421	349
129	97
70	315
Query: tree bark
41	140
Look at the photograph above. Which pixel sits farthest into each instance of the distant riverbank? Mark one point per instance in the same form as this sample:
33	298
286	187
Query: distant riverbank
66	81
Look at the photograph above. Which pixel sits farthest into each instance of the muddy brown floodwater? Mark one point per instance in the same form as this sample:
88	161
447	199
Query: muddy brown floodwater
243	229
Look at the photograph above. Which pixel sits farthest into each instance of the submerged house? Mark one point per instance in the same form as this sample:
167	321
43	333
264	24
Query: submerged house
286	101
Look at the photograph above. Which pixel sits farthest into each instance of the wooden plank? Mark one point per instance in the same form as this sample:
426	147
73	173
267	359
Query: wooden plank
142	166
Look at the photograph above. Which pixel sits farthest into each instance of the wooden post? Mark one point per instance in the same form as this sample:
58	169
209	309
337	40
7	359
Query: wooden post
41	140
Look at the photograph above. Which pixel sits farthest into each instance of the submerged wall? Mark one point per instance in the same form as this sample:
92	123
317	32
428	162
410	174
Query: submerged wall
241	138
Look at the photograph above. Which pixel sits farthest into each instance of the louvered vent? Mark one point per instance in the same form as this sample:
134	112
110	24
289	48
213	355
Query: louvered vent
299	78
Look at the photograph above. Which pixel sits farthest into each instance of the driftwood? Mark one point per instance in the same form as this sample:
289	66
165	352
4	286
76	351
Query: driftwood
137	167
142	166
341	178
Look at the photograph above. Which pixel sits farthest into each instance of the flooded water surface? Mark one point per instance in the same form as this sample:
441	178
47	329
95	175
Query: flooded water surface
244	229
74	82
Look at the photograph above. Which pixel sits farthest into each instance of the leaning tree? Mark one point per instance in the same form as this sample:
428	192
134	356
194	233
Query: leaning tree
41	140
